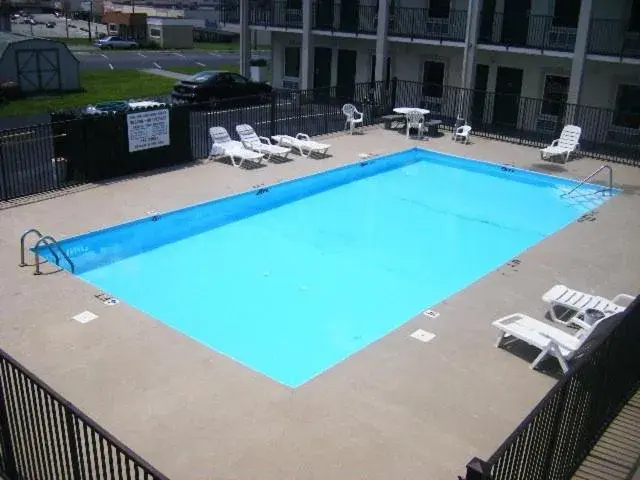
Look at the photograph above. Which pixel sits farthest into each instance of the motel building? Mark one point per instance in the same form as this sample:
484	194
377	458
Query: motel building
584	52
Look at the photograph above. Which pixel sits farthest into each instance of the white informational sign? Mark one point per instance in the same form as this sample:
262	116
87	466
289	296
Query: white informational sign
148	129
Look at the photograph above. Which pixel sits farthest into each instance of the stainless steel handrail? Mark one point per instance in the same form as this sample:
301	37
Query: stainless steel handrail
22	239
50	241
590	176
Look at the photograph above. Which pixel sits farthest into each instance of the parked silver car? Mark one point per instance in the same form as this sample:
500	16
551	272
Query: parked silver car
115	42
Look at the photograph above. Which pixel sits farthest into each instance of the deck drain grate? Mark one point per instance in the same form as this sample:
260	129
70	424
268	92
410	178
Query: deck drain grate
423	335
85	317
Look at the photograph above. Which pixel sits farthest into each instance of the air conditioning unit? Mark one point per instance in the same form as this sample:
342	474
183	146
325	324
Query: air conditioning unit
562	38
438	27
547	124
290	84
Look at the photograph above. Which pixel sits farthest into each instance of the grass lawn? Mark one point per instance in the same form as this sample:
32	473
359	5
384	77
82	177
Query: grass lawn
99	86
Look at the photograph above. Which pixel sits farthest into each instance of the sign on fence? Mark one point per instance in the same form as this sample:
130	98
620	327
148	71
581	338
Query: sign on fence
148	129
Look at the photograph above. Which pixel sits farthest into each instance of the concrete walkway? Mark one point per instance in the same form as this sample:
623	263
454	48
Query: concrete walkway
166	73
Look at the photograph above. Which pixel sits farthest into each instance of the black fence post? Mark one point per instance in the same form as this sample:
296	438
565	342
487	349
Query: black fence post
73	444
477	470
273	114
394	92
4	193
9	460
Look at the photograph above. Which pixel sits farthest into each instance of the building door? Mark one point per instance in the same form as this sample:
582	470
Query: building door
349	16
486	21
479	94
507	97
346	83
515	22
38	70
324	15
321	72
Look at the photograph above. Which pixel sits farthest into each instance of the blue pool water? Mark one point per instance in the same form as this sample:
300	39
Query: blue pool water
292	279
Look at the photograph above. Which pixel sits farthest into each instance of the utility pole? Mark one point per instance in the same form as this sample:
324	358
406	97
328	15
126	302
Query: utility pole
90	18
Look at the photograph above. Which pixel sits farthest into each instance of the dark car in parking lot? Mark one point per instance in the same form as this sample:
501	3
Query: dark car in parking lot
221	88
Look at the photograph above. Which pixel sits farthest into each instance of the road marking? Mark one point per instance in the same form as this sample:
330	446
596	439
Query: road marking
103	55
157	66
178	54
111	66
142	55
213	54
201	64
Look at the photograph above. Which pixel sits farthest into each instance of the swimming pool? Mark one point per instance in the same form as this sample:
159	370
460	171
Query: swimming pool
293	278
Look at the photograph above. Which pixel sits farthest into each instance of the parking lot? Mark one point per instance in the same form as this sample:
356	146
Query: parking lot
129	60
76	28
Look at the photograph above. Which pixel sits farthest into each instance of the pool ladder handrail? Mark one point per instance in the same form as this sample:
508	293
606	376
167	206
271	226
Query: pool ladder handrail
47	240
590	176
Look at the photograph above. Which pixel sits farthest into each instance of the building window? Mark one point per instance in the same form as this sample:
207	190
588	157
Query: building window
566	13
554	96
627	112
432	79
292	62
113	28
439	8
154	32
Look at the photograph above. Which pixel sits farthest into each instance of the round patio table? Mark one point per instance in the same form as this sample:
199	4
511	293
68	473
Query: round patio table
405	110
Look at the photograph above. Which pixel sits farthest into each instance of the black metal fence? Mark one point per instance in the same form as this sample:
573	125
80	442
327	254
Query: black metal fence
75	149
559	433
43	436
606	134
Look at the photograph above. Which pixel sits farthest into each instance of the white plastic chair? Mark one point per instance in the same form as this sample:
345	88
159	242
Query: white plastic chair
565	145
223	145
462	133
251	141
415	120
579	302
353	116
549	339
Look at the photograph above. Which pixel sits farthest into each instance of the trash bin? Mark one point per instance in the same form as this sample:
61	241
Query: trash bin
591	316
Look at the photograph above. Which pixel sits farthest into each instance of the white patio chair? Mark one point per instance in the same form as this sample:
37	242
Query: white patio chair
415	120
252	141
564	146
301	142
354	117
223	145
462	133
578	303
550	340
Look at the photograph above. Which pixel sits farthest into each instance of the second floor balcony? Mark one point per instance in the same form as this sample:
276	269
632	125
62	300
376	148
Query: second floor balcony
620	38
421	23
346	16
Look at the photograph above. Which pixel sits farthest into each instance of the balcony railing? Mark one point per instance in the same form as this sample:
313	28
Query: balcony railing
528	31
346	17
276	14
230	12
416	23
612	37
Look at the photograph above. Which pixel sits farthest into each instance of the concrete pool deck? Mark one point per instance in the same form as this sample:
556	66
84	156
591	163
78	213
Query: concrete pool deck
399	408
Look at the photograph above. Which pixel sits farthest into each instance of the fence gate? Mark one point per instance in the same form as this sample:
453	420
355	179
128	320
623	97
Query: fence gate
38	70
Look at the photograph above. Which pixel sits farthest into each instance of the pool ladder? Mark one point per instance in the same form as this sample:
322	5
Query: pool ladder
43	240
590	176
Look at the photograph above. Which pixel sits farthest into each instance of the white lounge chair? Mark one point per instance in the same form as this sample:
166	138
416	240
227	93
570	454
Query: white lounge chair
415	120
579	302
549	339
564	146
252	141
354	117
223	145
301	142
462	133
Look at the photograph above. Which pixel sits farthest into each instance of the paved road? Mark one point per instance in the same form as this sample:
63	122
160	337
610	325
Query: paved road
128	60
77	28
